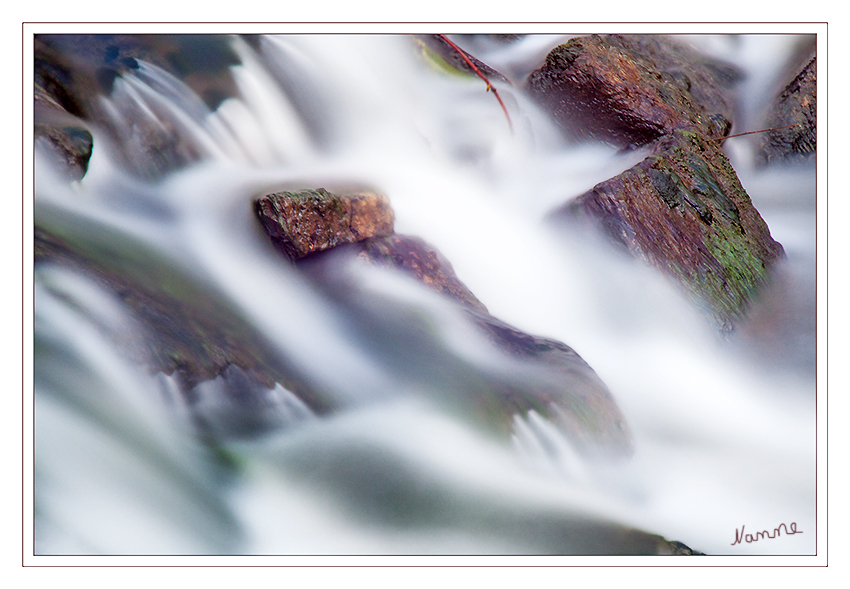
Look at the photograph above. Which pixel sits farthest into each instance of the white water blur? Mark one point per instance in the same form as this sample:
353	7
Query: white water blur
720	441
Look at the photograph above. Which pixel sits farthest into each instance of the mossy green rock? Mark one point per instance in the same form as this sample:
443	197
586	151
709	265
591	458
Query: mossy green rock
684	211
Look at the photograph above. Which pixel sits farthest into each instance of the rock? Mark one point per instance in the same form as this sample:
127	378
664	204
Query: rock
68	143
202	62
560	386
58	125
601	88
684	211
795	105
309	221
708	81
421	261
526	373
235	404
80	70
185	329
674	548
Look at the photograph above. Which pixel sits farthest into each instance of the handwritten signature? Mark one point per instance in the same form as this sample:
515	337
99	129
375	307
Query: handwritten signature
739	535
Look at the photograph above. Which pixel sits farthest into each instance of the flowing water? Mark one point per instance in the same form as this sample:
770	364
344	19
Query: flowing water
723	425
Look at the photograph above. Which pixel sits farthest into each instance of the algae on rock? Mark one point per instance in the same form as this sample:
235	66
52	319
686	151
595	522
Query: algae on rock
684	211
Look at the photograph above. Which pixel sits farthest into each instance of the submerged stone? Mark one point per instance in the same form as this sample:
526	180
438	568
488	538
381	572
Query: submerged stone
528	373
203	62
67	142
187	329
629	91
309	221
421	261
684	211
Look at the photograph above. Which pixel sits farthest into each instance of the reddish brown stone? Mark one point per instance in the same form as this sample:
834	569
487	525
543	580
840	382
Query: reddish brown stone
707	80
421	261
602	88
309	221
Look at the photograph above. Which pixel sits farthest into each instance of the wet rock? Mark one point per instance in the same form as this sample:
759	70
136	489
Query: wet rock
709	81
628	91
674	548
236	405
202	62
795	105
183	329
57	123
684	211
79	70
421	261
523	374
560	386
309	221
68	143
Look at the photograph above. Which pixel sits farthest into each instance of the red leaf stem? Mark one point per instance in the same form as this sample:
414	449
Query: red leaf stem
759	131
480	75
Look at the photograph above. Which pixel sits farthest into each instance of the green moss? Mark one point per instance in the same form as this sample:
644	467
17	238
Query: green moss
732	283
436	61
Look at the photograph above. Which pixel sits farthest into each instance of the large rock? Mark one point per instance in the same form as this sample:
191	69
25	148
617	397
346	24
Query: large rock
709	81
185	329
684	211
309	221
502	374
421	261
629	91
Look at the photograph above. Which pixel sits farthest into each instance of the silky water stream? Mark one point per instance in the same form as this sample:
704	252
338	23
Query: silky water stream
723	425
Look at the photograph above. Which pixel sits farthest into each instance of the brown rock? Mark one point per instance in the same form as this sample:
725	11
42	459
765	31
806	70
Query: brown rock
309	221
684	211
708	81
529	372
421	261
186	329
601	88
545	376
